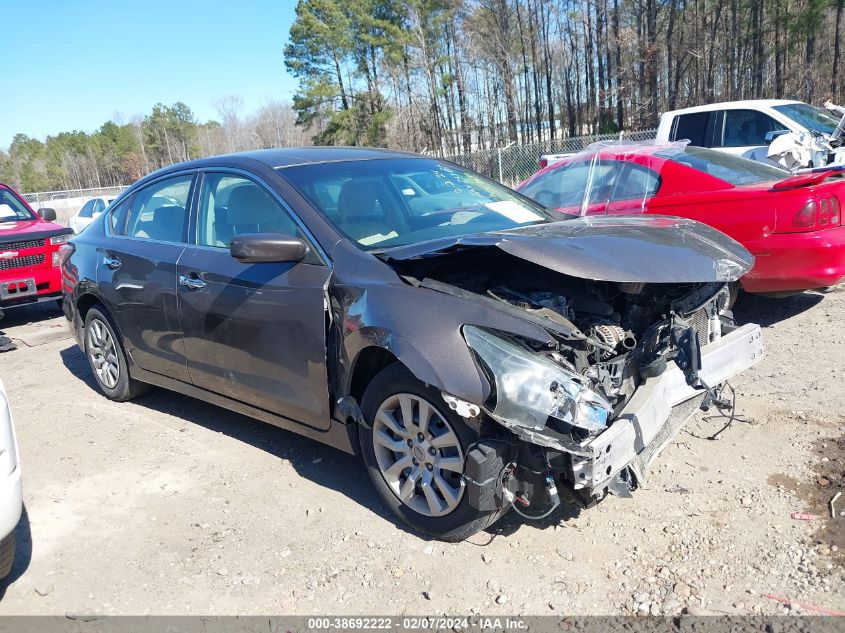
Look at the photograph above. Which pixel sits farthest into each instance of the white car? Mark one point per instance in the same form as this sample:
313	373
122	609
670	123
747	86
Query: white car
11	496
548	159
90	210
747	129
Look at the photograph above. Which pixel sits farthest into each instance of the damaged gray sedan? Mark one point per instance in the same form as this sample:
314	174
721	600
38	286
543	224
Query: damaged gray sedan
478	354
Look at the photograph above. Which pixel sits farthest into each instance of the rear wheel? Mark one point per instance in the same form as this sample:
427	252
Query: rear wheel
415	452
107	359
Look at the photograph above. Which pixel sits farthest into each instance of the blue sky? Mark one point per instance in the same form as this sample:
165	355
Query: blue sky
73	65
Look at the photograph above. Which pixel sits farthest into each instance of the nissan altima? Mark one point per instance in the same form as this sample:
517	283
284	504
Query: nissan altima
478	353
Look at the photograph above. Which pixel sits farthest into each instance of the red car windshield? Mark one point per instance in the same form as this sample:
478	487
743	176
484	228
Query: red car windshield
732	169
12	209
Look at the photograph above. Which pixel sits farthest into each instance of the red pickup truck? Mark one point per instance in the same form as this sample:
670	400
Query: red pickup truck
29	251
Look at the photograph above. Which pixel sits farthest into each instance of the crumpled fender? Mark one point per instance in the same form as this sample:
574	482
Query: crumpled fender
431	343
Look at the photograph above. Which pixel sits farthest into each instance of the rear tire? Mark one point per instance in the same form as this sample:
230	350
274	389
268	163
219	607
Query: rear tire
105	354
411	426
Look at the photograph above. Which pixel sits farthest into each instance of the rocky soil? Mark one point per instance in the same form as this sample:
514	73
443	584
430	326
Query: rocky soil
168	505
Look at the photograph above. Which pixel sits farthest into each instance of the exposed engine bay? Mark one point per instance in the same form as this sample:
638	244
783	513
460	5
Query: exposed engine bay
550	401
800	151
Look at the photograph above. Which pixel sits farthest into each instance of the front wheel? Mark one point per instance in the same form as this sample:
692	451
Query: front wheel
414	451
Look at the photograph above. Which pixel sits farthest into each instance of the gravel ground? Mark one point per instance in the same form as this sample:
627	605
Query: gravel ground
168	505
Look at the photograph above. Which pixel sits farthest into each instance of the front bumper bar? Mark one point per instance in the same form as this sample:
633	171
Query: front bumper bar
658	410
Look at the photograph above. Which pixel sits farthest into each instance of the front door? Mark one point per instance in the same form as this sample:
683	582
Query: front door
253	332
747	133
136	273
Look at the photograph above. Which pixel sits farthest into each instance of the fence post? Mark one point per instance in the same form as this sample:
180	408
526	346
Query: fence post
499	151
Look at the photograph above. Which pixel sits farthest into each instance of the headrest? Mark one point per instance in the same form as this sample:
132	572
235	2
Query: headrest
168	214
248	204
168	223
357	198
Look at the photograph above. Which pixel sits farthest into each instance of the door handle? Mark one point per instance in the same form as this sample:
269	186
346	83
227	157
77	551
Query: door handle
192	283
111	262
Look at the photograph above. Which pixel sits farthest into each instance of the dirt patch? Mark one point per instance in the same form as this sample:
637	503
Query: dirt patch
824	480
169	505
830	479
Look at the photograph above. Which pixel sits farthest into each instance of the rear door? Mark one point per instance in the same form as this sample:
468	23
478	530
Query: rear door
253	332
695	127
136	272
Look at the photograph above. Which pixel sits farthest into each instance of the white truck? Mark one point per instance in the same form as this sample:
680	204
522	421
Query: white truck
791	134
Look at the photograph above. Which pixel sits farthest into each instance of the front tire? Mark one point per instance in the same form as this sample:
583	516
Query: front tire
107	359
414	451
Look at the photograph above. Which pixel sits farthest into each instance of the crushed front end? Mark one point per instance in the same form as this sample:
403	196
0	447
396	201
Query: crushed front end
632	331
631	363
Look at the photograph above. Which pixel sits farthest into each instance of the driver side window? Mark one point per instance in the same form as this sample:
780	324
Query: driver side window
566	186
232	205
747	128
87	209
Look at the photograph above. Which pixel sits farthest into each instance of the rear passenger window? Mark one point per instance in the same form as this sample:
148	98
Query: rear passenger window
691	127
159	211
117	216
232	205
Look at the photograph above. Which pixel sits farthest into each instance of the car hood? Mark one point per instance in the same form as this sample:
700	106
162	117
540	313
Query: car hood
29	229
649	249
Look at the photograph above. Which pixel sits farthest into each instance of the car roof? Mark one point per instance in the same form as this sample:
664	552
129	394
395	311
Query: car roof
289	156
281	157
733	105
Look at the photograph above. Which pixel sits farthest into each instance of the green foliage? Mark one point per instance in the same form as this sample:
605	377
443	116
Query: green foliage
113	155
336	49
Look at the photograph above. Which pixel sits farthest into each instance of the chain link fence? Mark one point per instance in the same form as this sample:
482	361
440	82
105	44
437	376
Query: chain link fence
41	197
514	163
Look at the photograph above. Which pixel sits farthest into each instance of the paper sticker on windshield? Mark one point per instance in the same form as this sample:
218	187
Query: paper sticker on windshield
375	239
513	211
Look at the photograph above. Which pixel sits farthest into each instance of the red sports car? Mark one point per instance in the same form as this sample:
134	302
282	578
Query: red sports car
791	224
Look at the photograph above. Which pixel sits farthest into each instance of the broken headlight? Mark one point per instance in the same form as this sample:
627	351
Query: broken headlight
531	388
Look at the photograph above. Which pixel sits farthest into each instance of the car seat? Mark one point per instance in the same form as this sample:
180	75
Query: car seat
361	213
251	210
167	225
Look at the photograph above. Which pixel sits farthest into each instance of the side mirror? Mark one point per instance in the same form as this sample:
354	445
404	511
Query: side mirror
47	214
773	134
253	248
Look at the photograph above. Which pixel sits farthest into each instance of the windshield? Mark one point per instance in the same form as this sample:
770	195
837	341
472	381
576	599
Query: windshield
12	209
394	202
727	167
810	117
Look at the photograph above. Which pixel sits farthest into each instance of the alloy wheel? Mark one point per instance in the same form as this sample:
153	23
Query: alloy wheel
101	351
419	454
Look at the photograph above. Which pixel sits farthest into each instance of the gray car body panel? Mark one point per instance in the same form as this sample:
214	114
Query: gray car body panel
648	249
